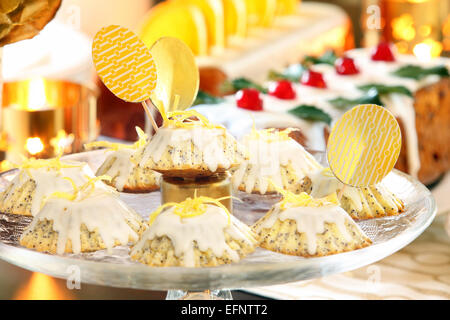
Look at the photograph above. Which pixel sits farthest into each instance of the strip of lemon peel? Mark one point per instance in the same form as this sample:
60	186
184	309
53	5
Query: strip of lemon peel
180	118
53	163
91	183
191	207
66	195
303	199
142	138
78	190
114	146
160	106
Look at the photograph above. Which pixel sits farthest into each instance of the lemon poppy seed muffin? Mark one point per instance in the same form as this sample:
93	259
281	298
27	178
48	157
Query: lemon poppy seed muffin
197	232
360	203
187	145
126	175
300	225
90	220
38	179
275	156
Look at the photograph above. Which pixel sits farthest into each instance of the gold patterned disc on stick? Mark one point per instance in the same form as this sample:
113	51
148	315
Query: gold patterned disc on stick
124	63
364	145
177	74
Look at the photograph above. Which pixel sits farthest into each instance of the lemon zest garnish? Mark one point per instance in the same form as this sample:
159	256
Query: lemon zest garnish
114	146
54	163
91	183
66	195
77	190
303	199
181	119
142	138
160	106
191	207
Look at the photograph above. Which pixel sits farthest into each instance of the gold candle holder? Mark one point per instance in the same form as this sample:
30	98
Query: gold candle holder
32	130
38	114
178	189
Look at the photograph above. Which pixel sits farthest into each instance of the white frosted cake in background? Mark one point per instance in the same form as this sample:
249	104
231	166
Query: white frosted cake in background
422	106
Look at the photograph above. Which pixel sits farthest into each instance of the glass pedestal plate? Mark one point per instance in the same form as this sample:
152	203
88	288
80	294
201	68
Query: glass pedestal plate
261	268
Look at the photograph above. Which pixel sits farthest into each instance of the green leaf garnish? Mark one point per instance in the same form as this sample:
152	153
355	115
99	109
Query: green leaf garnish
418	72
311	113
370	97
372	94
206	98
384	89
292	73
329	57
242	83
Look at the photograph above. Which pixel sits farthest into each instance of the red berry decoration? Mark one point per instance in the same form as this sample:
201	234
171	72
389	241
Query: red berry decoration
313	79
346	66
282	90
383	52
249	99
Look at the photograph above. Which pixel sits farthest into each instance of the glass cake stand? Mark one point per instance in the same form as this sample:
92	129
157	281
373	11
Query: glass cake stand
261	268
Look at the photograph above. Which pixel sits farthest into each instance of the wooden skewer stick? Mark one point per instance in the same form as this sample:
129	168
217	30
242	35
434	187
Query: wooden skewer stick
341	192
150	116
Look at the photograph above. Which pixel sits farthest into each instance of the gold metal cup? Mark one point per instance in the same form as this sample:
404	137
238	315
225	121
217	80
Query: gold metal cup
178	189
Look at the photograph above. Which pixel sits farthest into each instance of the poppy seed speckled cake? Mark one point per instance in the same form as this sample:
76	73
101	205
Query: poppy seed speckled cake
197	232
90	218
273	155
303	226
126	174
38	179
188	145
360	203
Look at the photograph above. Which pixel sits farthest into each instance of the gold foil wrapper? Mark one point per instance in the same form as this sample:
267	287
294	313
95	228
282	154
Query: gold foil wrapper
23	19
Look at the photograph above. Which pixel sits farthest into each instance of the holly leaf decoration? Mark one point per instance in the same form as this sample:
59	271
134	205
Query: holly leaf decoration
384	89
329	57
206	98
418	72
370	97
242	83
293	73
311	113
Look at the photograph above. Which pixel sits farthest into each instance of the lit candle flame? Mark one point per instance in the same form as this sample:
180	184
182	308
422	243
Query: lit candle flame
34	145
42	287
36	94
427	49
62	141
403	27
